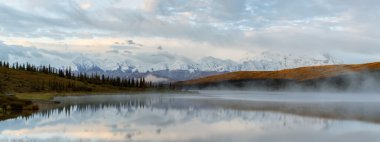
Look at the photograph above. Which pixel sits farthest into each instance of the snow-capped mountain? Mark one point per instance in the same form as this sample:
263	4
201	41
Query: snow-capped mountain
215	64
263	62
182	68
140	63
269	61
161	64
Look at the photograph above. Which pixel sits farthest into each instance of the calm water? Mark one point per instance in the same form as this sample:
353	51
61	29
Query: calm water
210	116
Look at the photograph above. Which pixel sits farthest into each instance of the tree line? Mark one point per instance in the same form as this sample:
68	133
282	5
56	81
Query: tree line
94	78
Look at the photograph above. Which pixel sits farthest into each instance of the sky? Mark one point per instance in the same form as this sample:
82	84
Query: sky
192	29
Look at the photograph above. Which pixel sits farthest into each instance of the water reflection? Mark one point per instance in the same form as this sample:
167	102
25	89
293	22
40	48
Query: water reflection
166	118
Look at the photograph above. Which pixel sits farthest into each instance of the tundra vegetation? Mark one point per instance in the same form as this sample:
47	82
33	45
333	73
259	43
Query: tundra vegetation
22	83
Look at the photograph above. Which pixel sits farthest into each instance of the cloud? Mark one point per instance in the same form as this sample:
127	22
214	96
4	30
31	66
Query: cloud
85	5
160	47
16	53
161	57
155	79
127	45
121	47
342	27
150	5
113	51
131	42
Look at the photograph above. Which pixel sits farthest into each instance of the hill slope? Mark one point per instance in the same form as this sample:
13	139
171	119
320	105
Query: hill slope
19	81
337	76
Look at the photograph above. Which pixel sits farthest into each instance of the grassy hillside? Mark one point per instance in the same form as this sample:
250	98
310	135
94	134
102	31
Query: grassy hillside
18	81
314	76
28	78
24	87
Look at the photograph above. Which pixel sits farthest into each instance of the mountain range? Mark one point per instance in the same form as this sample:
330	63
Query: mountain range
161	65
354	77
181	68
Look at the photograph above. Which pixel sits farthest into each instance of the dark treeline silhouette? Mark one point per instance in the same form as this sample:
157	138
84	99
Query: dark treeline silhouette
96	79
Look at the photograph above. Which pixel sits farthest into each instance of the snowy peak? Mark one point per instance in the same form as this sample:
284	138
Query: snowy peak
264	61
276	61
83	63
214	64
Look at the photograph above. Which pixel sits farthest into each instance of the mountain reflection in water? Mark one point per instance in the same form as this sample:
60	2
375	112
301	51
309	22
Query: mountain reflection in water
183	118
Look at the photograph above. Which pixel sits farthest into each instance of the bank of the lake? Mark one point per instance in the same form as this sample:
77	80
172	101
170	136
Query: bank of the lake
11	106
23	104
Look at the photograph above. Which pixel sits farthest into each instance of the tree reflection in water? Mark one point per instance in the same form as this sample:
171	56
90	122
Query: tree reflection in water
166	118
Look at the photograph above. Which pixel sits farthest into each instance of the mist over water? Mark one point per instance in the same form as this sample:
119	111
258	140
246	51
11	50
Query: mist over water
344	81
210	116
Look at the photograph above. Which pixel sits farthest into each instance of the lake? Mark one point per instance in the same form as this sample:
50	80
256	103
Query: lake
210	116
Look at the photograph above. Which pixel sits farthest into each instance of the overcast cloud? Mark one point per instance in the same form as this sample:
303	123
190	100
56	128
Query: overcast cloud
347	29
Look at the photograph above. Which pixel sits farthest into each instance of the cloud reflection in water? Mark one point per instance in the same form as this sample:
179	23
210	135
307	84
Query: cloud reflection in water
167	119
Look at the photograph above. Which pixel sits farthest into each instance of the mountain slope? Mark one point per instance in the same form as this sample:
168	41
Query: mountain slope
17	81
331	75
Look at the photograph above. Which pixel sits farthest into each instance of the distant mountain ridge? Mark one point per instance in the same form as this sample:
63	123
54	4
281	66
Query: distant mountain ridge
337	77
163	64
265	61
184	69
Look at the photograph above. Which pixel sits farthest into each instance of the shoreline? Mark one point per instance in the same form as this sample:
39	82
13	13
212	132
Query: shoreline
40	101
358	111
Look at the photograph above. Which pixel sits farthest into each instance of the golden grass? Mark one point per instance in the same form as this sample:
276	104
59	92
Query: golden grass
17	81
303	73
36	96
